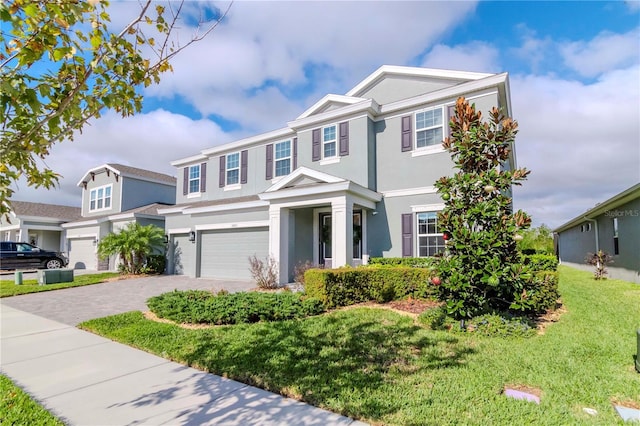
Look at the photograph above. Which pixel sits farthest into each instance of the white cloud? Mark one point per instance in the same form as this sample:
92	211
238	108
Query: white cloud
476	56
606	52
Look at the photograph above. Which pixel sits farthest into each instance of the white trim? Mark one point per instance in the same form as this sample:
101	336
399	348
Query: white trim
233	187
303	172
132	215
226	207
330	160
186	161
84	223
442	126
427	208
227	170
264	137
234	225
428	150
104	188
171	210
381	72
335	141
191	194
194	195
78	236
49	219
178	231
409	191
368	105
328	100
289	157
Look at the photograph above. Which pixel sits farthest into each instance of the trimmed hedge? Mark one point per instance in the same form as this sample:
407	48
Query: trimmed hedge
542	293
204	307
541	262
416	262
347	286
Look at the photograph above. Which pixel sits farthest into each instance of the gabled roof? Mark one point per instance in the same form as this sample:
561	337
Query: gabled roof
613	202
304	174
53	211
330	100
128	171
149	210
386	70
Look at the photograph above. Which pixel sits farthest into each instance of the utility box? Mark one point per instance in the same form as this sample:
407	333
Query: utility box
53	276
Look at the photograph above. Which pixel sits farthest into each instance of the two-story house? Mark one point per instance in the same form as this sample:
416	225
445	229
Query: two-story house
114	195
351	177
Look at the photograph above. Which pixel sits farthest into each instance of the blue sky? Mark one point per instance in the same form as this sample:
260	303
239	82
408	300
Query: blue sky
574	70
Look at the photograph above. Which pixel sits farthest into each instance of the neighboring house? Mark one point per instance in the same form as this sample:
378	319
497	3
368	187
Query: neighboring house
39	224
349	178
612	226
114	195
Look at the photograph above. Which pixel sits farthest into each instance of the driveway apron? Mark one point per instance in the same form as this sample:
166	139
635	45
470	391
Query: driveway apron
86	379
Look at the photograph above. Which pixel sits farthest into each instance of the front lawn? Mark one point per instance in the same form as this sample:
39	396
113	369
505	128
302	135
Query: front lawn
380	367
17	408
8	287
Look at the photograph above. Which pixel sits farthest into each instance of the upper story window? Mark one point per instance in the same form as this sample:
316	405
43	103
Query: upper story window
430	241
100	198
329	142
616	245
233	168
429	127
194	179
282	163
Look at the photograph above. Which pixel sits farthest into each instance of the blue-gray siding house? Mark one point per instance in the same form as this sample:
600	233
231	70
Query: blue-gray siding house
349	178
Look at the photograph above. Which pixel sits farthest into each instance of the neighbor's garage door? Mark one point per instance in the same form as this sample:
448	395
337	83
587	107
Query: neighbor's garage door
182	255
82	254
225	254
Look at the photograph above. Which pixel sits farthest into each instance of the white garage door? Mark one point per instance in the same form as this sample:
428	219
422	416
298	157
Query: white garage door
225	254
182	255
82	254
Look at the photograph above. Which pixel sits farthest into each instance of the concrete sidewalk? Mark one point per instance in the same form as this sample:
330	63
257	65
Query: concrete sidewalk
85	379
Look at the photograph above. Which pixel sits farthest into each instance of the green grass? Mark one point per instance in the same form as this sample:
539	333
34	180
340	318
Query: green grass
17	408
8	287
380	367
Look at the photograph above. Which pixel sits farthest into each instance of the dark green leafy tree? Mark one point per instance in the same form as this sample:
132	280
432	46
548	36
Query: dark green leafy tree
132	245
536	240
61	65
481	270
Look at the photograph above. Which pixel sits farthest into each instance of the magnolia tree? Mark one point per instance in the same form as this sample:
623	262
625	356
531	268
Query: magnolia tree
481	270
62	63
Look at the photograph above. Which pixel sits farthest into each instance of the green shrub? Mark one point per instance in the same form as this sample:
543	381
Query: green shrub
434	318
543	293
203	307
347	286
156	264
494	325
417	262
541	262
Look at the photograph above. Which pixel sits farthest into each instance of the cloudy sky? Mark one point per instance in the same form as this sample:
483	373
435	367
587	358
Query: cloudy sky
574	71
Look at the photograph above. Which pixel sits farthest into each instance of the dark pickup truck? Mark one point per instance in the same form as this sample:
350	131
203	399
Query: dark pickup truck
27	256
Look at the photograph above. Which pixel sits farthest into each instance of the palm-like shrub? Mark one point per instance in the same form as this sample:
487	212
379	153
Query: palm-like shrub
132	244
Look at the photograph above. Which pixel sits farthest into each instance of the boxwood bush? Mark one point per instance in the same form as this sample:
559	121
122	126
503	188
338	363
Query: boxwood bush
203	307
417	262
541	262
347	286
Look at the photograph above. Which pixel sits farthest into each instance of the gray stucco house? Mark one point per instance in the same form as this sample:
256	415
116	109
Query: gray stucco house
612	226
114	195
349	178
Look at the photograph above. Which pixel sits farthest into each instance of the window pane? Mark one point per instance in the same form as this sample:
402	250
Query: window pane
194	185
194	172
283	150
329	133
429	137
330	149
233	161
232	176
107	203
429	118
282	167
93	205
93	194
99	203
107	191
100	192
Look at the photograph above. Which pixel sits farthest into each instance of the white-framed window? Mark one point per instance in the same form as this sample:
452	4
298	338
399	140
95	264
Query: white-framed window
429	127
430	241
329	141
100	198
194	179
282	163
233	168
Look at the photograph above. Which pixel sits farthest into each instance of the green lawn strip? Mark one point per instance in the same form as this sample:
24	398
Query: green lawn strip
378	366
18	408
9	288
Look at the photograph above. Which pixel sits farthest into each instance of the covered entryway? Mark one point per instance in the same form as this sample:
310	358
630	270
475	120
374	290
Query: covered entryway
82	253
183	261
225	253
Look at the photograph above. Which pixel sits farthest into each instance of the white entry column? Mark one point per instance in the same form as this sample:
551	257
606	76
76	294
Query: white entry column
279	240
342	231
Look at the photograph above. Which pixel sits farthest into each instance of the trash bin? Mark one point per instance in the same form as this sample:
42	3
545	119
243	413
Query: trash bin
18	278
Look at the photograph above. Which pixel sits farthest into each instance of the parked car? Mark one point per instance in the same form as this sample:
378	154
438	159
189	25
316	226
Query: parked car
27	256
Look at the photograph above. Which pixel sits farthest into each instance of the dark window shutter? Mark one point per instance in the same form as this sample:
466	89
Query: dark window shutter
295	154
344	138
315	145
222	174
203	177
451	112
269	165
407	134
185	182
407	235
244	163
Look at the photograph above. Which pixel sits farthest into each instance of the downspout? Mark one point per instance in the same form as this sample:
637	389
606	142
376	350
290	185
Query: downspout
596	231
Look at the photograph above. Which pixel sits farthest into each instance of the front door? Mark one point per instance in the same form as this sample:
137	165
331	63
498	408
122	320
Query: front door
325	239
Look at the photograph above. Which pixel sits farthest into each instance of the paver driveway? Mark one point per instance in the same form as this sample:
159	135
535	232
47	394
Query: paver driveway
75	305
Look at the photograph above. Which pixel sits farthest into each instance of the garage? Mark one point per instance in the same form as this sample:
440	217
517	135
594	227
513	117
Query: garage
224	254
182	255
82	253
